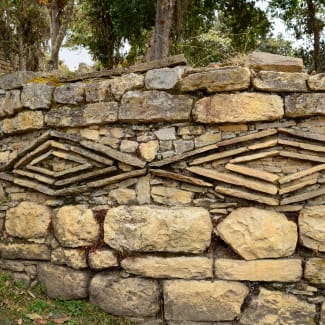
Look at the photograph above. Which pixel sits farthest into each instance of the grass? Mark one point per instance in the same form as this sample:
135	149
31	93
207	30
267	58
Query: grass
21	306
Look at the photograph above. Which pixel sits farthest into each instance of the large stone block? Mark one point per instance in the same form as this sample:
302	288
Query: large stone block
215	80
154	106
16	79
72	94
317	82
125	296
25	251
237	108
315	270
256	233
96	113
75	226
74	258
37	96
275	307
203	301
284	270
28	220
165	78
102	259
155	228
280	81
302	105
312	227
185	267
11	103
62	282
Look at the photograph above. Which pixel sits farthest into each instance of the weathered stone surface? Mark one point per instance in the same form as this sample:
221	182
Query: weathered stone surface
166	134
62	282
236	108
317	82
284	270
25	251
72	94
102	259
301	105
11	103
312	227
276	236
143	190
322	320
28	220
149	150
203	300
37	96
74	258
16	79
176	229
280	81
170	195
154	106
165	78
123	195
183	146
275	307
207	138
169	267
125	296
24	121
75	226
96	113
128	146
222	79
315	270
274	62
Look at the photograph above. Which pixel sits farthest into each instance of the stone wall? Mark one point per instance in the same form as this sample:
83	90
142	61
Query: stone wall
174	195
5	66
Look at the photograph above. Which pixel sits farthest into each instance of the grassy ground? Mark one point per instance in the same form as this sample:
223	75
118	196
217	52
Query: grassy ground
20	306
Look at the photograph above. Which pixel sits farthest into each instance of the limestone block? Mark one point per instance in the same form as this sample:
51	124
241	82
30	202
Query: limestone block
256	233
125	296
16	79
37	96
165	78
275	307
96	113
203	301
102	259
238	108
302	105
128	146
274	62
312	227
62	282
317	82
315	270
166	134
154	106
11	103
149	150
24	121
120	85
72	94
197	267
284	270
123	195
28	220
206	139
170	195
143	190
25	251
183	146
75	226
215	80
74	258
280	81
184	229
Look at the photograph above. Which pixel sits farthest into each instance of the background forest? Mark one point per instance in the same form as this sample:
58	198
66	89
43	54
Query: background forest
122	32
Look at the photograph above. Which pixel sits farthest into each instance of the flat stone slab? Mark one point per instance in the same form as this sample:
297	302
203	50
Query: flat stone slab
16	79
183	229
303	105
25	251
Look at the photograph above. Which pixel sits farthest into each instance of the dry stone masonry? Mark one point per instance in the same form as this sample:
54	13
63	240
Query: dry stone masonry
168	194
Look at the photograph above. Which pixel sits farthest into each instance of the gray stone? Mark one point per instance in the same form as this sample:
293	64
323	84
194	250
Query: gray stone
302	105
125	296
11	103
203	301
143	190
165	78
102	259
207	138
70	94
275	307
315	270
96	113
37	96
74	258
25	251
62	282
317	82
23	121
175	229
16	79
280	81
166	133
154	106
183	146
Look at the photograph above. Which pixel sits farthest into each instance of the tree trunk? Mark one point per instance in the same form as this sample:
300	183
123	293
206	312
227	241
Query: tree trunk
314	24
160	39
21	52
